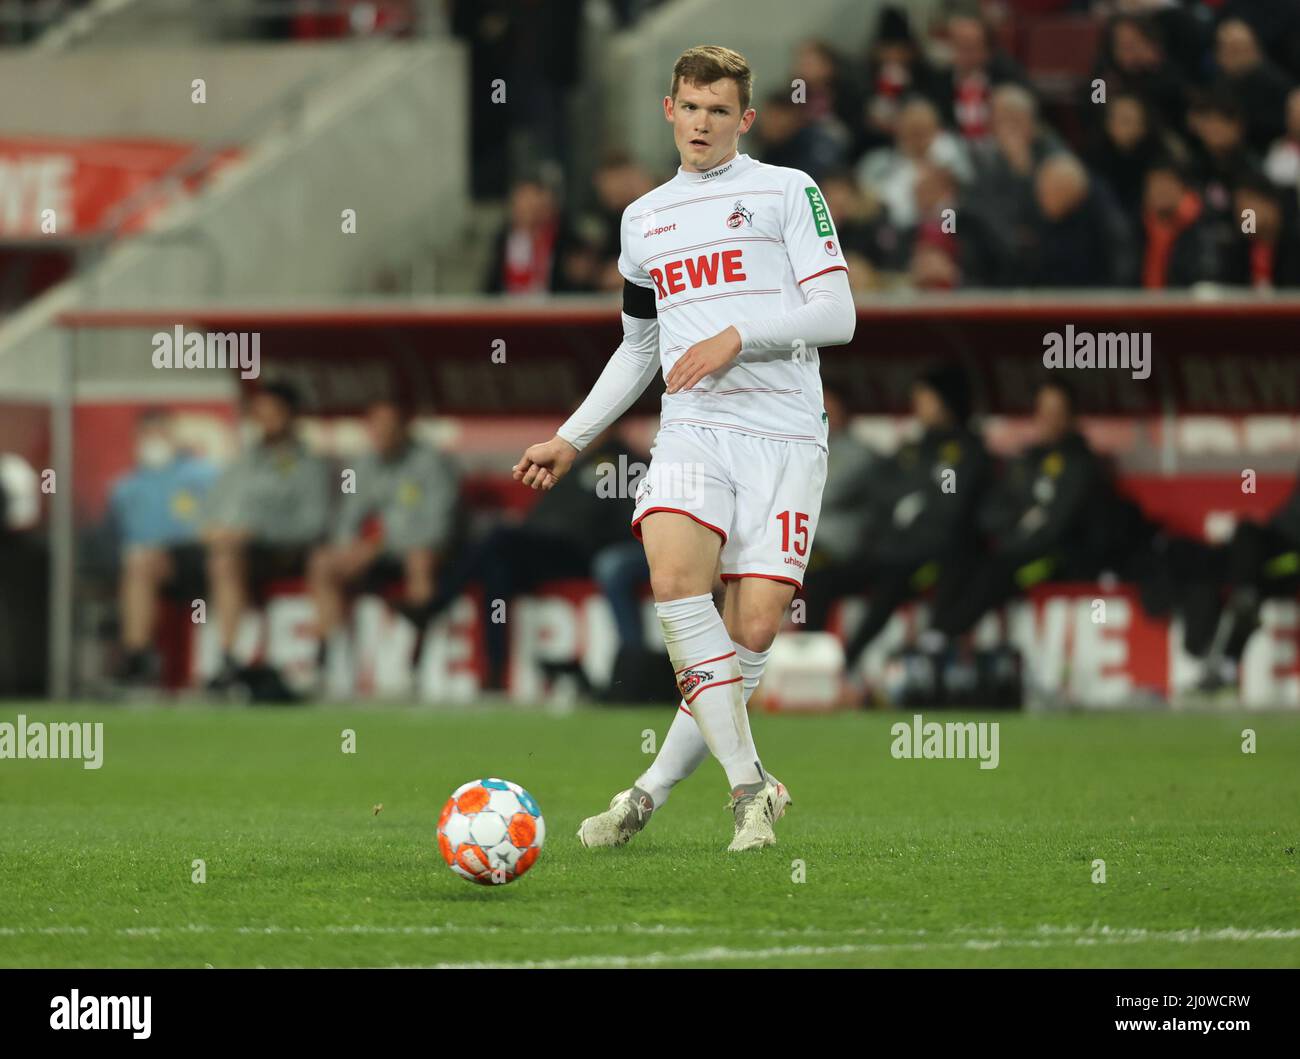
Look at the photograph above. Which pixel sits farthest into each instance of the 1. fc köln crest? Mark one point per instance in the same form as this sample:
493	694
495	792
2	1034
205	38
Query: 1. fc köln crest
740	216
692	679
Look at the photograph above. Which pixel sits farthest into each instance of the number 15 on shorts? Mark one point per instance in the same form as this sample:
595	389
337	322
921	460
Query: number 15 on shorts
800	531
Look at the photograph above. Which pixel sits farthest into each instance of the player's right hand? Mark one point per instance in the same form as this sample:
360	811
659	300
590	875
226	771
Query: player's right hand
544	464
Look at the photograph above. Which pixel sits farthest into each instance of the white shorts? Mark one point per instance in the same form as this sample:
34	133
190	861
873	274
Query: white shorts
761	496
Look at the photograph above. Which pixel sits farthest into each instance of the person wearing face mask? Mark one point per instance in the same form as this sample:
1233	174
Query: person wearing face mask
155	509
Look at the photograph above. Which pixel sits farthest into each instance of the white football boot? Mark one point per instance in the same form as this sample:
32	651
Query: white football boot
628	813
756	808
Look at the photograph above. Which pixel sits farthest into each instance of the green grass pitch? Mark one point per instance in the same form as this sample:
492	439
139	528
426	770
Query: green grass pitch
904	863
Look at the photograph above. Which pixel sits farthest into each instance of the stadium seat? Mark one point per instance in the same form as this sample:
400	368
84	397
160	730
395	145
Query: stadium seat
1059	52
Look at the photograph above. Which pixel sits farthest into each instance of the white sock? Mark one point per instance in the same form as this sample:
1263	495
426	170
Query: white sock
683	751
684	748
708	674
752	664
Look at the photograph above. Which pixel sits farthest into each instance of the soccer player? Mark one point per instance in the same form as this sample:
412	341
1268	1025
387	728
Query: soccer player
734	278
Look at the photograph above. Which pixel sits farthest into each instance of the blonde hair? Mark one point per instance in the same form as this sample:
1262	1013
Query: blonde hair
706	63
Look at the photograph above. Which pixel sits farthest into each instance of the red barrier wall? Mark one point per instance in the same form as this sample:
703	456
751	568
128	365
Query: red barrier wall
1230	355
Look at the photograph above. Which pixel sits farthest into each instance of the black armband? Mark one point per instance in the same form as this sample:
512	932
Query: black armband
639	302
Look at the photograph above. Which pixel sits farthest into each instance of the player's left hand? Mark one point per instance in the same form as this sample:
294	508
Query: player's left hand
703	358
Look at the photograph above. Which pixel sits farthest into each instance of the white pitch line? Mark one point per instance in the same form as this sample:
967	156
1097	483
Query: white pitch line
971	935
717	952
721	952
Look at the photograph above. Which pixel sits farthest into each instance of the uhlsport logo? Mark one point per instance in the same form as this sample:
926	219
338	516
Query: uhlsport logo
692	679
77	1012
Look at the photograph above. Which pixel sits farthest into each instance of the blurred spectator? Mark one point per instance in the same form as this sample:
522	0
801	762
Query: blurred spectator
1263	562
393	530
1268	256
1257	85
830	93
926	496
568	525
1221	156
933	268
896	70
1180	245
534	247
892	172
964	90
1276	24
946	255
789	135
1043	517
1282	165
622	571
1133	60
156	513
1130	140
619	181
1184	33
1082	240
872	244
844	526
266	512
1000	197
1184	39
936	259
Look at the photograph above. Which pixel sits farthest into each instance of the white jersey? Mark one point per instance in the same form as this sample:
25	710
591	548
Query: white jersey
725	246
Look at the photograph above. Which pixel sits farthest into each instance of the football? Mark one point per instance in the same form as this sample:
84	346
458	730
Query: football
490	831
